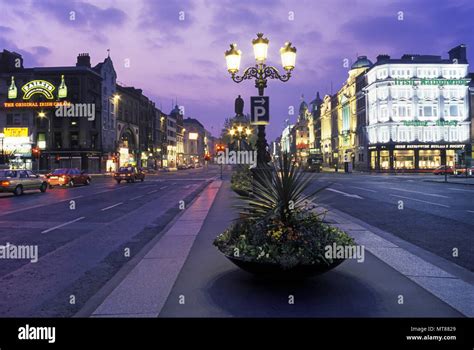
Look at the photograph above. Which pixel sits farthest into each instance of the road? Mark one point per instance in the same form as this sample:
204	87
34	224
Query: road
437	217
84	235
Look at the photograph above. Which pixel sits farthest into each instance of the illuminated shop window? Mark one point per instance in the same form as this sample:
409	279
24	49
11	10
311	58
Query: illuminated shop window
373	160
384	160
429	159
404	159
450	157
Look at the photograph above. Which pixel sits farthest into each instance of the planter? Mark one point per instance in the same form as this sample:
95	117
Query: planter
274	271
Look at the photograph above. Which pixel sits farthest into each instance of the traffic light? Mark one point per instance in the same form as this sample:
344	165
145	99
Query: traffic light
36	152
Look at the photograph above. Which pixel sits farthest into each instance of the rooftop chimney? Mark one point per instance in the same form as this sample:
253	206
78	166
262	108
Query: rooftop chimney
458	54
381	58
83	60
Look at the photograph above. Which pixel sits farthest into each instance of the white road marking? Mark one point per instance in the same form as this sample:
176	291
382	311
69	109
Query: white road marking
344	193
112	206
471	211
458	189
161	188
419	200
152	191
132	199
64	200
62	225
423	193
364	189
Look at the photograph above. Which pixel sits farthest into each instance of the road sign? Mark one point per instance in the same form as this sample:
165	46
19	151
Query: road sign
260	110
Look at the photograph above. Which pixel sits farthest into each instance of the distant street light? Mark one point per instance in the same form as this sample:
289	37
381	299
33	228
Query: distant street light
261	72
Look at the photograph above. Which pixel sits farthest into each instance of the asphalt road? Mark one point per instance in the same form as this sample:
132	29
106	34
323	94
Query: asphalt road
83	236
437	217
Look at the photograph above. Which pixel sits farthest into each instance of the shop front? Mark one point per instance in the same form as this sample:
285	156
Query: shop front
412	157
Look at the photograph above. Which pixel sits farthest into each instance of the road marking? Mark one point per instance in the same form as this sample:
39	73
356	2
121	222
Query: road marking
132	199
152	191
471	211
419	200
68	199
364	189
458	189
426	194
62	225
163	187
344	193
112	206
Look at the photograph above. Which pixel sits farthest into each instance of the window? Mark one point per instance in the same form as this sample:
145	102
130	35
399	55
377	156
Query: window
404	159
58	141
382	93
346	117
401	110
30	173
23	174
74	137
427	110
401	93
453	110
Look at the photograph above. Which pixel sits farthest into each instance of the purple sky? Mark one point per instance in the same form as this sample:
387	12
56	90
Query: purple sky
172	58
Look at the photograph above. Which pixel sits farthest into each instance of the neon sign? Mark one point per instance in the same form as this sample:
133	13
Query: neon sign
34	87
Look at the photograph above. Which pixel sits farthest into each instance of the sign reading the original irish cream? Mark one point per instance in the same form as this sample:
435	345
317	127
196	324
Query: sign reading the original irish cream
44	104
42	87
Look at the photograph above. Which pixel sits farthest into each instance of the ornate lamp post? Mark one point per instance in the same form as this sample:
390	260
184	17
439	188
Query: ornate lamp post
261	73
239	132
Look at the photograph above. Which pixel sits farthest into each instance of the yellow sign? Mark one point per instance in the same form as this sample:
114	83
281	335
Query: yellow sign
15	132
42	87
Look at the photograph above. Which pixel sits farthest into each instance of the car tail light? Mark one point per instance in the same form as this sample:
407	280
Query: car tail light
5	183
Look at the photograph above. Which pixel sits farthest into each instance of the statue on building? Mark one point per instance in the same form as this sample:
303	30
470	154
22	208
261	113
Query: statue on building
239	106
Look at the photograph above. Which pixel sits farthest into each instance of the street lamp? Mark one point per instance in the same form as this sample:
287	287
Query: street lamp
240	132
261	73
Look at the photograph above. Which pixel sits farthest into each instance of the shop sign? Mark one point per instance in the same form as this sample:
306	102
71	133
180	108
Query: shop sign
430	123
15	132
45	104
432	146
34	87
425	81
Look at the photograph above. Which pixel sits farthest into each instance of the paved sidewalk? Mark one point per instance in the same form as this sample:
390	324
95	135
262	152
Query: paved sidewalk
211	286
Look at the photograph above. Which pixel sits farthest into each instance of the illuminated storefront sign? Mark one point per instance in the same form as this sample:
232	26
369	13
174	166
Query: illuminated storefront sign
430	123
193	136
37	87
15	132
34	87
425	81
46	104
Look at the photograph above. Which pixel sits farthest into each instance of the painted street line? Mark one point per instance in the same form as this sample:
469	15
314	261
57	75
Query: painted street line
112	206
419	200
423	193
161	188
364	189
152	191
471	211
344	193
132	199
62	225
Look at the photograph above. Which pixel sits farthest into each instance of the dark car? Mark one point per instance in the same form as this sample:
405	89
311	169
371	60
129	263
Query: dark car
68	177
129	174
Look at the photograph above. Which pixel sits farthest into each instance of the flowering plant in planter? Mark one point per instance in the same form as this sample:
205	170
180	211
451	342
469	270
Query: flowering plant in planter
241	180
277	227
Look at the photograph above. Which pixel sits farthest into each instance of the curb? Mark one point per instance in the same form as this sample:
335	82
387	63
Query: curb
450	183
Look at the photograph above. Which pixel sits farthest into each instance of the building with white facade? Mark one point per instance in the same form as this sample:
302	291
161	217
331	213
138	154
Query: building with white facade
417	111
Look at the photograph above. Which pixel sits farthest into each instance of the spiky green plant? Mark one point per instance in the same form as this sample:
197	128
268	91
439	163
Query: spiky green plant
278	192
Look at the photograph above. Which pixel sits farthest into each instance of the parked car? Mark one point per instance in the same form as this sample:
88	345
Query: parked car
462	171
129	174
444	169
182	167
68	177
17	181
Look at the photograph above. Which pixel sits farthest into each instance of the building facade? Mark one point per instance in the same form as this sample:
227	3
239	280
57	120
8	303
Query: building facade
417	111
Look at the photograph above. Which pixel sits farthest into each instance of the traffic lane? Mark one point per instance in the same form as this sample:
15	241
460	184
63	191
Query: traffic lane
91	204
55	235
418	223
450	203
10	203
